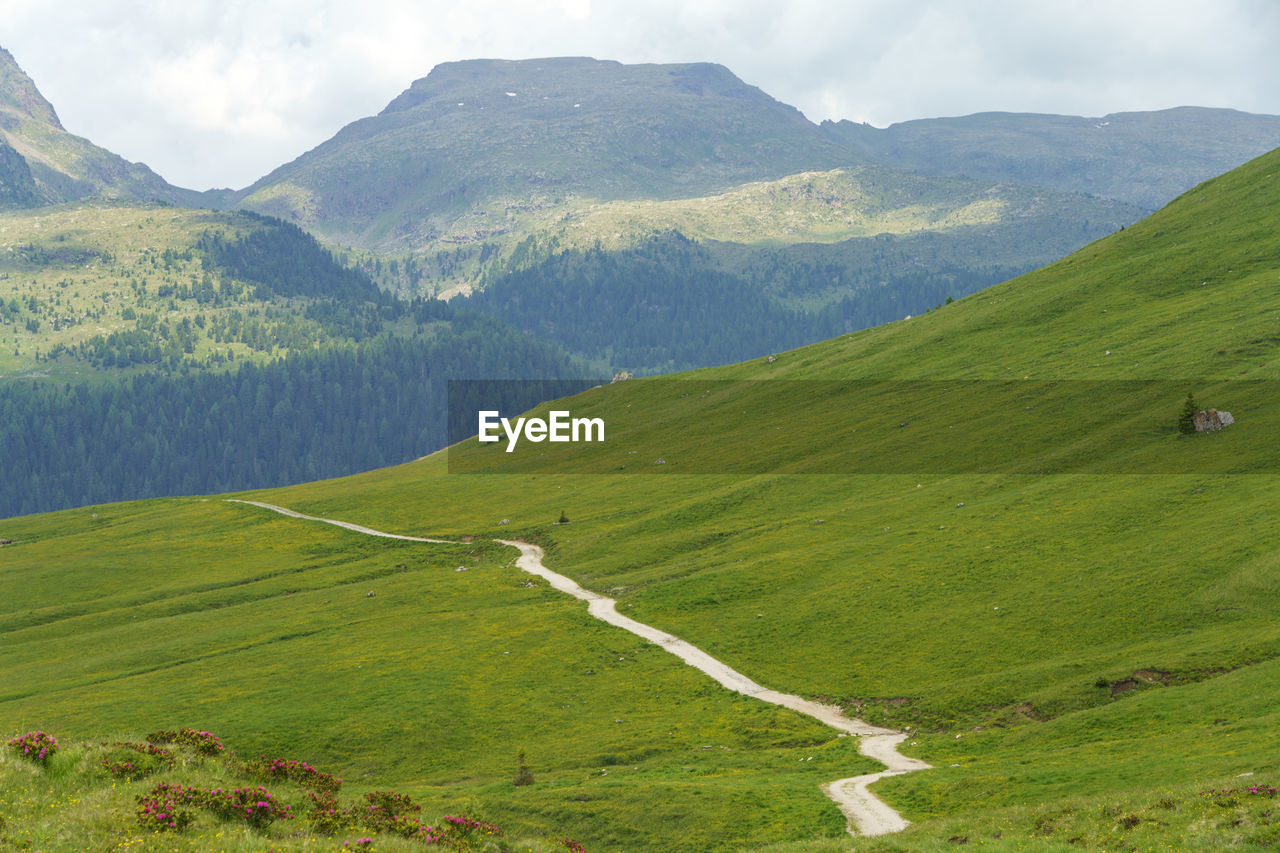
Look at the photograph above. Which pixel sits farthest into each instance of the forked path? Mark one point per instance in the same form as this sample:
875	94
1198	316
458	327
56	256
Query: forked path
867	814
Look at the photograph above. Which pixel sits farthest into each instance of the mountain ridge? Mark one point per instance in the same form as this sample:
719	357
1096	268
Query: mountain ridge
1140	157
18	91
64	167
562	127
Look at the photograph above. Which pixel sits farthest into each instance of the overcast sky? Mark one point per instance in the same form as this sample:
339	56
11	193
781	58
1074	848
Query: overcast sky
219	92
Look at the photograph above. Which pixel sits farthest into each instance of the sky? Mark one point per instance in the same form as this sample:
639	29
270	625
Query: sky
216	93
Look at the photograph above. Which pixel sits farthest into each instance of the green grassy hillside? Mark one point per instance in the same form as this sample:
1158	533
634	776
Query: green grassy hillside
1079	654
184	789
94	290
426	669
827	207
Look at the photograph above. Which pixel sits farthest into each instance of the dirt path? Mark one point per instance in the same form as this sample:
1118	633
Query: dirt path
867	815
865	812
368	531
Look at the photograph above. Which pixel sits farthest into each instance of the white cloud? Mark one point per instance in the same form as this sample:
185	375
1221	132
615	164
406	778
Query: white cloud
576	9
218	92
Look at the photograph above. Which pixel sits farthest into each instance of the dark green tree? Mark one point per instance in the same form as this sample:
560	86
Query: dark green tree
524	776
1186	420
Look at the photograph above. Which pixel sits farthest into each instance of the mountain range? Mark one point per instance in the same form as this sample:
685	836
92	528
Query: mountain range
474	134
485	167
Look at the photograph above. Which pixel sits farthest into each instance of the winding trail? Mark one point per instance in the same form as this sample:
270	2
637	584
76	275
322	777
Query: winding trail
867	814
358	528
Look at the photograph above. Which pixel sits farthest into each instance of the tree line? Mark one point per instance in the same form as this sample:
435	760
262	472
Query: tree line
310	416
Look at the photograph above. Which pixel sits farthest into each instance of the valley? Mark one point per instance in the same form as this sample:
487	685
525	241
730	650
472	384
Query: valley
891	478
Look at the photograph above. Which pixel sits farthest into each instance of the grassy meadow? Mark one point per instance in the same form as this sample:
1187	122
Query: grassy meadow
393	664
819	207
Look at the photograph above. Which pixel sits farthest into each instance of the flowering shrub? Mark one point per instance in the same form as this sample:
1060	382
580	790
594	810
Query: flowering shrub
163	817
123	769
325	815
573	845
391	803
1227	797
298	771
255	806
158	809
205	743
148	760
35	746
359	844
390	812
464	827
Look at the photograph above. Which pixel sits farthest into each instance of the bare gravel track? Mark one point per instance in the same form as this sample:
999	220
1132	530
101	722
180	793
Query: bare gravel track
867	815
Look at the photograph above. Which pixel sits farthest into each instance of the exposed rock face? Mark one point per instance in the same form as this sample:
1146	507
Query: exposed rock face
18	93
1209	420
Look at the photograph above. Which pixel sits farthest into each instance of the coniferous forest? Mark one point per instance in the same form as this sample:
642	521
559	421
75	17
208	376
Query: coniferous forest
676	304
358	378
309	416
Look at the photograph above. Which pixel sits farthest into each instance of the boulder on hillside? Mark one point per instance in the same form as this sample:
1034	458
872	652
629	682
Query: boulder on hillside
1209	420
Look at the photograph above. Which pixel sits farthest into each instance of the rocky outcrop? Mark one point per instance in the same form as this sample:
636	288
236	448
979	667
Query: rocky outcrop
1210	420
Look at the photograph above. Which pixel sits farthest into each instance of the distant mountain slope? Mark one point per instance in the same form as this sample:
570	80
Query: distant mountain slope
98	287
843	204
484	137
655	302
63	167
177	350
658	286
1143	158
485	167
17	187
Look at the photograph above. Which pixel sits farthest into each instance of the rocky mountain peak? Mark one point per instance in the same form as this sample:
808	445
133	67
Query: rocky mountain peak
19	95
